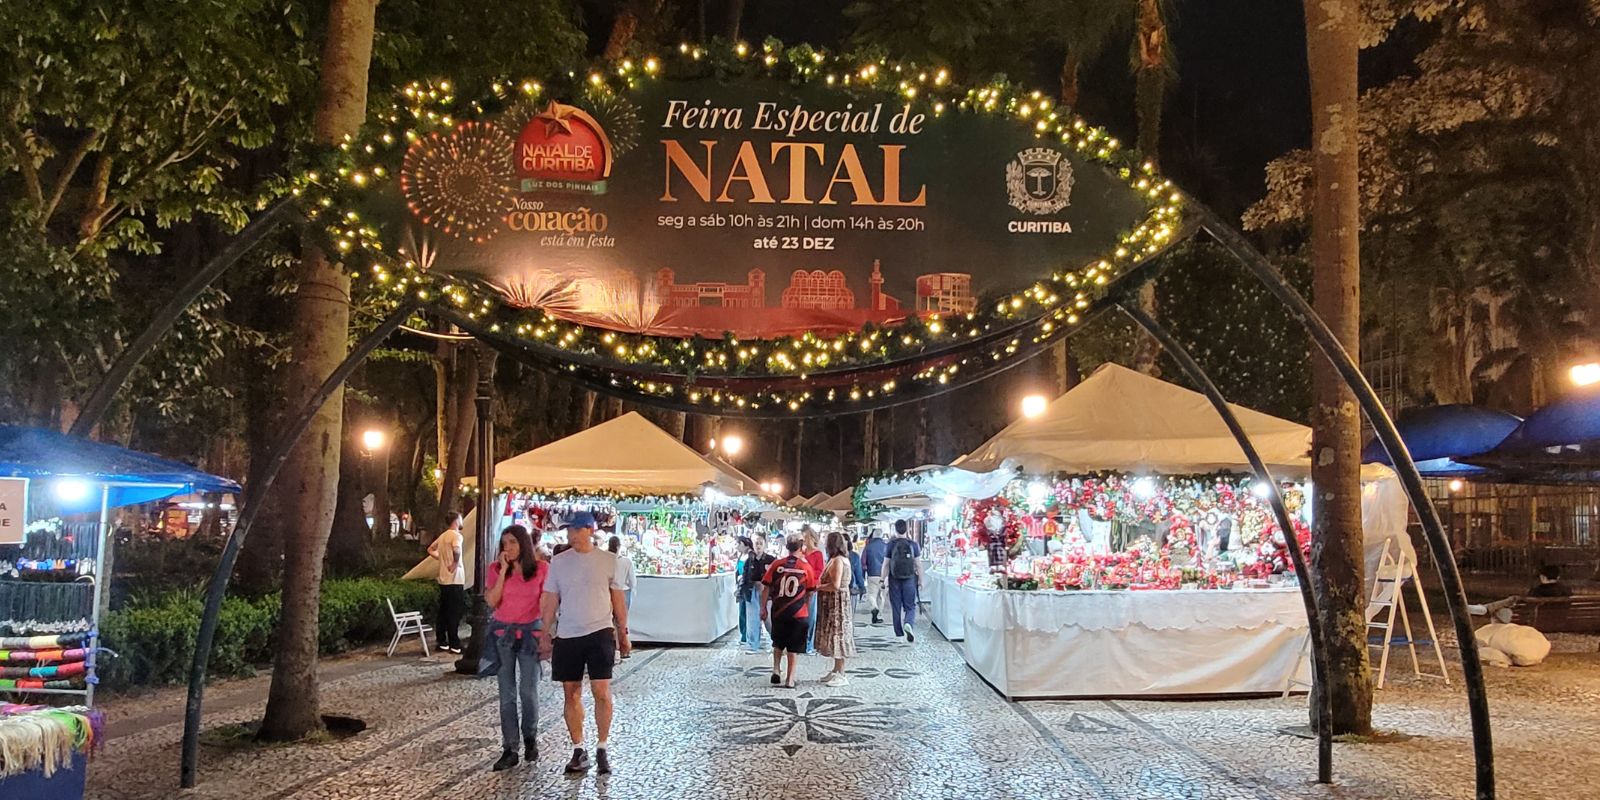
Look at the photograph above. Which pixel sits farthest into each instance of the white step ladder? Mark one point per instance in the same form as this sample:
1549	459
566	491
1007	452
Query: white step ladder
1387	596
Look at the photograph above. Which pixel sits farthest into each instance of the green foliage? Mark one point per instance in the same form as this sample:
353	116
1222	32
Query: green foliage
154	635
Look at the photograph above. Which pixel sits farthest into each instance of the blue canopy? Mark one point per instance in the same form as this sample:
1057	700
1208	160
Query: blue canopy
1438	436
1572	421
134	477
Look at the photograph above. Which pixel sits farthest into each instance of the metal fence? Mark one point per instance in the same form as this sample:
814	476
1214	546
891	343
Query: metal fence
1510	531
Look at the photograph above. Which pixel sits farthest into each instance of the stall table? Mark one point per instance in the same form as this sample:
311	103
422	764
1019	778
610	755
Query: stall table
683	609
1134	643
946	604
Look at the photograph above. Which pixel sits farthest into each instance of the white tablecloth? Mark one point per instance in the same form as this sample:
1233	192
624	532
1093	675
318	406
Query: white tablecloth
695	609
946	604
1130	644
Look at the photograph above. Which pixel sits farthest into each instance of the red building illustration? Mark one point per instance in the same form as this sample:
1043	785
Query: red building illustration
818	290
945	293
672	294
878	301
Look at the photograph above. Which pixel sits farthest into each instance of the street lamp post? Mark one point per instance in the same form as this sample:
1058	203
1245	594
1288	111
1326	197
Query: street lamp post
1585	374
376	445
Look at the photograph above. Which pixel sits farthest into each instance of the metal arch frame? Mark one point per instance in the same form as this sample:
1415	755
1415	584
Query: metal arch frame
1253	261
250	505
1404	466
1314	621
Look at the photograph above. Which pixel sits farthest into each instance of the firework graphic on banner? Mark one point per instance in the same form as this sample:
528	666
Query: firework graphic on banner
460	182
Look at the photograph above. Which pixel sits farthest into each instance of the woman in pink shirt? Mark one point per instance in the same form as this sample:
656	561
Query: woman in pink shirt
515	584
813	555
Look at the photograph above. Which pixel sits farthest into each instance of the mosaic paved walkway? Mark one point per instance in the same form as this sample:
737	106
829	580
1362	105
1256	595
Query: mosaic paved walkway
914	723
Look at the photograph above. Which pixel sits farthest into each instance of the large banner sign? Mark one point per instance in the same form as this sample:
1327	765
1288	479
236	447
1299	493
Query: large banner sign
755	206
736	230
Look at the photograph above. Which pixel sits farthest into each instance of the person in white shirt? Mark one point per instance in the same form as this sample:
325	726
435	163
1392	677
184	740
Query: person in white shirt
627	580
585	619
452	583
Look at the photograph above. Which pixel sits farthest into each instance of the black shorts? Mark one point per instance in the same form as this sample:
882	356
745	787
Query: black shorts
789	634
596	653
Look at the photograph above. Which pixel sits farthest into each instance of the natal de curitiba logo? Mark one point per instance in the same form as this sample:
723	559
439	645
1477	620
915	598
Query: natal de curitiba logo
1039	181
563	149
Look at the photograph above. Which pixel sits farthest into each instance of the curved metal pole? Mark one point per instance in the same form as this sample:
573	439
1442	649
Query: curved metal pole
100	399
1449	576
247	515
1319	656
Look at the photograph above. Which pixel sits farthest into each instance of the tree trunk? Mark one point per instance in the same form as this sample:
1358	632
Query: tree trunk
320	328
464	416
1069	80
623	29
799	453
378	478
1150	88
869	443
700	20
921	452
677	424
1337	561
587	417
735	19
613	408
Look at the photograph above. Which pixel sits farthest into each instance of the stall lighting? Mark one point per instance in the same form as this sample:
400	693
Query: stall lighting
1037	494
732	444
1260	489
1033	405
1144	488
71	490
1585	374
1457	485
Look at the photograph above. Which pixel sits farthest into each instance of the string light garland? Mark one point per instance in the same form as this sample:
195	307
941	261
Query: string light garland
427	118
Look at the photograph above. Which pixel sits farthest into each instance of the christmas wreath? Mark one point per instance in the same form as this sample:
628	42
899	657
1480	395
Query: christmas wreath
1010	524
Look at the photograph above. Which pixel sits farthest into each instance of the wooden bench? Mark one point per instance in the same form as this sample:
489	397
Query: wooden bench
1578	614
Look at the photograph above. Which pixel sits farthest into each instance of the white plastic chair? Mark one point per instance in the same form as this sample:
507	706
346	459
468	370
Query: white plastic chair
405	624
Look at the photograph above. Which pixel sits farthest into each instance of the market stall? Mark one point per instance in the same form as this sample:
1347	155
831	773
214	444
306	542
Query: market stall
1116	546
678	512
58	498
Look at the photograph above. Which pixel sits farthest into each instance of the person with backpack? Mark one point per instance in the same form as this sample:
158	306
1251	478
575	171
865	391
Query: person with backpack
905	581
751	576
786	601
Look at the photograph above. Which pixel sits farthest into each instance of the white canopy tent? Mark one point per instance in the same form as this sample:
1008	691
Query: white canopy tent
1125	420
628	454
1121	420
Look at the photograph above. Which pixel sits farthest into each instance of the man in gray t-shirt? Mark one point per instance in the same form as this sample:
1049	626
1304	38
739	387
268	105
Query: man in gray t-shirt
581	600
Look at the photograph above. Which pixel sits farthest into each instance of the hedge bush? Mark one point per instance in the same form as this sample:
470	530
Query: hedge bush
154	636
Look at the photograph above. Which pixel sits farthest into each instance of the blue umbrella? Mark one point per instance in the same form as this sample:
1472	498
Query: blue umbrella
1438	436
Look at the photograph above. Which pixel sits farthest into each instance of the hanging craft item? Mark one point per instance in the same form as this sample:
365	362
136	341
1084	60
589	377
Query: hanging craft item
41	607
44	740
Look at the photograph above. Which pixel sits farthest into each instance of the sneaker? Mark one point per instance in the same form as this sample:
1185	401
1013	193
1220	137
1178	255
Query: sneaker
508	759
875	620
775	679
579	762
530	750
835	680
910	637
602	764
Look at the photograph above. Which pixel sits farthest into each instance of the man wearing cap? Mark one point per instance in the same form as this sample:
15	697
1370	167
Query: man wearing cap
582	600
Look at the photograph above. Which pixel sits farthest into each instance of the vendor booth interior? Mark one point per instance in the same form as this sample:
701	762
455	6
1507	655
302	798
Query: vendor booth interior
57	497
1116	545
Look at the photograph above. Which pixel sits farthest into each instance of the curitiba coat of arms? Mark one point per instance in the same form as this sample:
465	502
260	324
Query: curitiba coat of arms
1039	181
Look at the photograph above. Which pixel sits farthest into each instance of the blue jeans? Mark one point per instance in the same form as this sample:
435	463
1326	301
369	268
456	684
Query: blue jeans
811	625
518	650
903	602
750	622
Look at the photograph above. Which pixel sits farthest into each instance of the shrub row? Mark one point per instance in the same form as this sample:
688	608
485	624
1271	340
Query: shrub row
154	636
